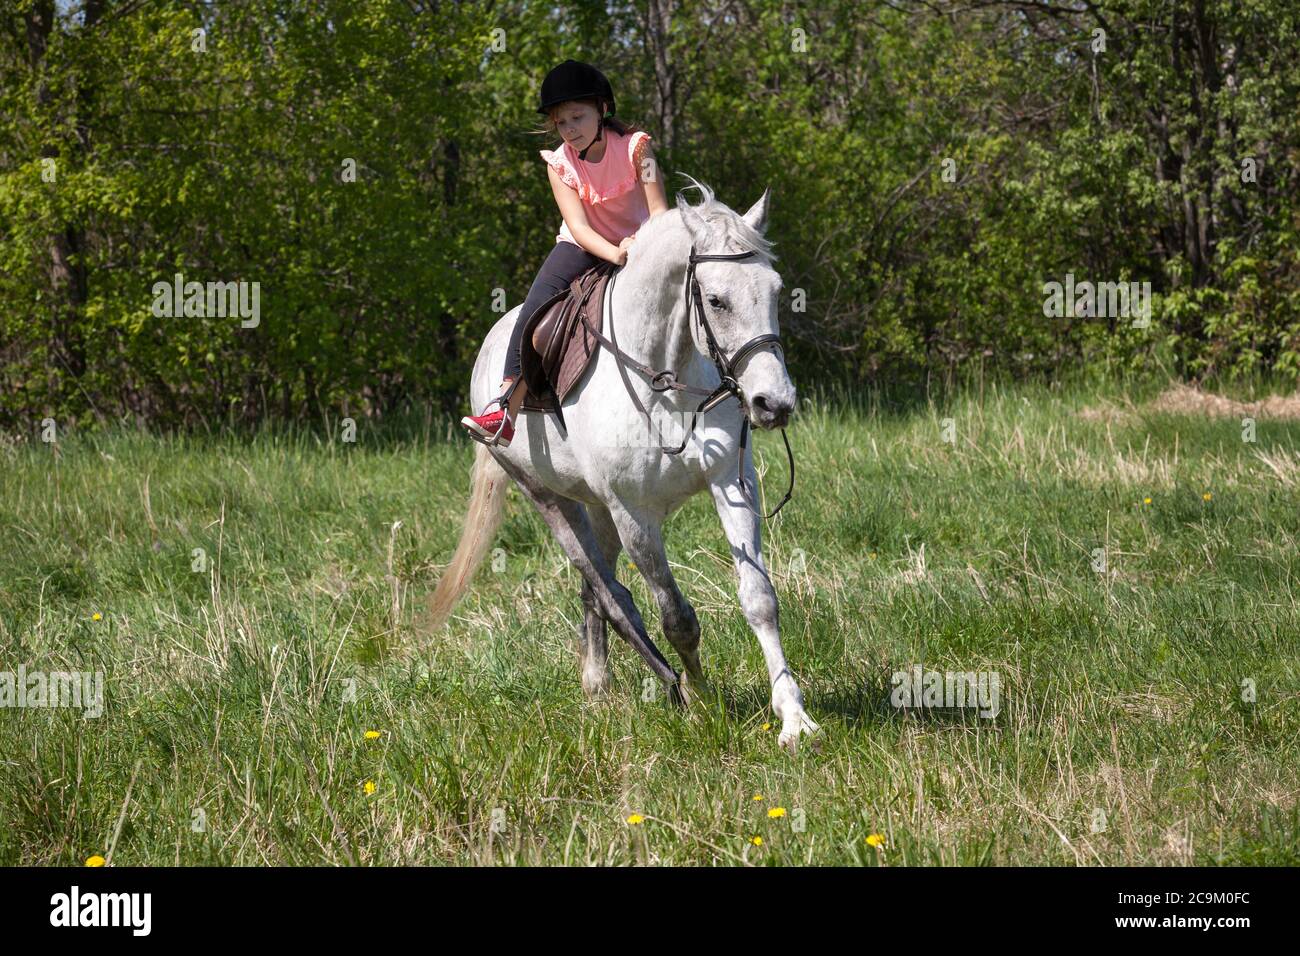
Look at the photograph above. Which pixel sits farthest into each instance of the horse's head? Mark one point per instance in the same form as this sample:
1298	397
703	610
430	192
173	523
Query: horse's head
739	300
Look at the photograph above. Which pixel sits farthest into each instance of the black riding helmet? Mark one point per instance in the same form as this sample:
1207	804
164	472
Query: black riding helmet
572	80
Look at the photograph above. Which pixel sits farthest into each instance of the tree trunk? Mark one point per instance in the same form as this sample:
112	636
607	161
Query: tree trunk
657	26
67	244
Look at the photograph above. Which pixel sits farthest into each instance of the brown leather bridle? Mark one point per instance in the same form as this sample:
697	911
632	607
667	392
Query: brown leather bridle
728	386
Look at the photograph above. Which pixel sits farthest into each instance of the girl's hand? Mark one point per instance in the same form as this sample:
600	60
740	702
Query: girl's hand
622	249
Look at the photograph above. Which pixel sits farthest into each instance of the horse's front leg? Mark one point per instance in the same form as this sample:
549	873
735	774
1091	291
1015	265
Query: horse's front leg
758	601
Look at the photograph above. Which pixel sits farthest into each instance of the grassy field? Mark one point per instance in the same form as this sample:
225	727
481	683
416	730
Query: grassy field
240	682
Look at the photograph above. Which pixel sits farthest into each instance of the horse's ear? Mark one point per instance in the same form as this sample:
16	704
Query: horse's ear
693	221
757	215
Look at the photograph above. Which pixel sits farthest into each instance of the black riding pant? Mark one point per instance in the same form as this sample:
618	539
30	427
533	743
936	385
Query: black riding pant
566	262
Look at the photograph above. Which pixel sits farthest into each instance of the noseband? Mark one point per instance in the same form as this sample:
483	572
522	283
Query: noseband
662	381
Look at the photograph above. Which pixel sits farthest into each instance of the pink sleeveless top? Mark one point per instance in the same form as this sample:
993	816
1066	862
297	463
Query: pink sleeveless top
610	189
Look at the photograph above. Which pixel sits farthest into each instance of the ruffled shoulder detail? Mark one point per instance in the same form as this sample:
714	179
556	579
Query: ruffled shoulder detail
635	143
587	192
556	158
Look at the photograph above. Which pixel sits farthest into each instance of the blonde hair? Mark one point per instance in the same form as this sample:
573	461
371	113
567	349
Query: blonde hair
550	130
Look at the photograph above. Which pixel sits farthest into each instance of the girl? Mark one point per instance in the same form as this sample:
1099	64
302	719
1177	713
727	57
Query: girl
596	177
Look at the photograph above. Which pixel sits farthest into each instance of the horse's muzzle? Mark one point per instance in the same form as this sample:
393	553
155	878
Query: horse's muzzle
769	411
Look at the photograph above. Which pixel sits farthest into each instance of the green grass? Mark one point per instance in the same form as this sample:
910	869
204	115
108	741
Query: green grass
228	690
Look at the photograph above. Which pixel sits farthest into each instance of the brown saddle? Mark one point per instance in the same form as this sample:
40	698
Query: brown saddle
557	346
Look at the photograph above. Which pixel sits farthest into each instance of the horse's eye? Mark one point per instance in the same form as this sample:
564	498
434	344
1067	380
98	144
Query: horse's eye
716	302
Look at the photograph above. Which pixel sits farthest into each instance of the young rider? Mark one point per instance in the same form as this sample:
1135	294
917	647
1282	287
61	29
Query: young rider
606	184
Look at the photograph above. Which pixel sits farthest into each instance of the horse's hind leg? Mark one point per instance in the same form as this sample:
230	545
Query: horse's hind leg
569	522
642	536
592	632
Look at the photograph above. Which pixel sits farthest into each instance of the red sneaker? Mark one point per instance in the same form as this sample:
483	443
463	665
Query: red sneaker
492	428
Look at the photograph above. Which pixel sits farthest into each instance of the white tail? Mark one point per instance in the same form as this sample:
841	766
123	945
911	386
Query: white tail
488	486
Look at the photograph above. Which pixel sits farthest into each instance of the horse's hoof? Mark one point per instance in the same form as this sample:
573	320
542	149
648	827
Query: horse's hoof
677	696
694	691
595	685
800	730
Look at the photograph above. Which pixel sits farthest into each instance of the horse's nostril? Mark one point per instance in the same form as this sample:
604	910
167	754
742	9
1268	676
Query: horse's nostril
774	407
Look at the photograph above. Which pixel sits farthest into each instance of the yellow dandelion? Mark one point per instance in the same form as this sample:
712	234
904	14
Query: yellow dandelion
96	616
370	786
758	796
877	840
1146	501
757	841
873	555
1206	496
95	860
767	726
776	812
635	819
373	734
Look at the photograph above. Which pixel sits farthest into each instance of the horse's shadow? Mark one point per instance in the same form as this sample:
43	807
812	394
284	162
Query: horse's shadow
861	704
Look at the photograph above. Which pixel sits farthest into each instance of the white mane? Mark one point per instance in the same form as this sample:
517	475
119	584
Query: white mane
728	231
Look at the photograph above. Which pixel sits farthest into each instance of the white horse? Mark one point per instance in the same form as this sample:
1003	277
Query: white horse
608	484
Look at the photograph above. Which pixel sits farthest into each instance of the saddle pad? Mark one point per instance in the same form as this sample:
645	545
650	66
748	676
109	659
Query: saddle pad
552	373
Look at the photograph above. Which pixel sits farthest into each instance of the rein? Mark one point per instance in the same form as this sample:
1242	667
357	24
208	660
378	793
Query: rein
662	381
